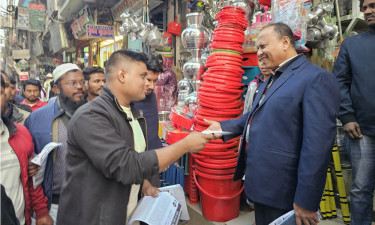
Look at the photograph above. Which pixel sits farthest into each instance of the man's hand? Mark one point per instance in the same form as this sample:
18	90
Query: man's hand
214	126
304	216
149	190
32	168
196	141
352	130
45	220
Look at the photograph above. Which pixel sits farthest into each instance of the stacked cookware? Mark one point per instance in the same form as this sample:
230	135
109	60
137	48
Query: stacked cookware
219	98
194	38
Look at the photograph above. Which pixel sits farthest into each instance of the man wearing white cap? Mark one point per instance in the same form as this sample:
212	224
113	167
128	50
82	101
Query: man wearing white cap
50	124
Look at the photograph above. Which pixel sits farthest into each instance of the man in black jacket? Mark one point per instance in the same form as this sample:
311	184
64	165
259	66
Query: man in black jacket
354	69
106	161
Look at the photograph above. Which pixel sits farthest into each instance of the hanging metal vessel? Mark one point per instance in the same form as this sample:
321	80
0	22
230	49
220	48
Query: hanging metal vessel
195	35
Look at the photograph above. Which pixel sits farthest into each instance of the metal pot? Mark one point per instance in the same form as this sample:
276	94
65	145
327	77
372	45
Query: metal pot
312	19
321	24
329	31
314	35
195	36
185	85
327	7
193	68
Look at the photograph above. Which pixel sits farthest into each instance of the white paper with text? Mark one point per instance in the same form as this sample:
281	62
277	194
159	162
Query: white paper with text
41	160
164	209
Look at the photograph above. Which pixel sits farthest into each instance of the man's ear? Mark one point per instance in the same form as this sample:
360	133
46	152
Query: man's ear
286	42
121	75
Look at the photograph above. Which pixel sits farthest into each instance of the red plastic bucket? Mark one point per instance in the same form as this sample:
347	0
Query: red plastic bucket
220	196
215	171
215	165
206	159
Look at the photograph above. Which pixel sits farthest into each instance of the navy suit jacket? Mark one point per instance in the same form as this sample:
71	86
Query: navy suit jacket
292	133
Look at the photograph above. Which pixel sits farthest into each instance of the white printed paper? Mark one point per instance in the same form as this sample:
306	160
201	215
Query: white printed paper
216	132
178	192
164	209
41	161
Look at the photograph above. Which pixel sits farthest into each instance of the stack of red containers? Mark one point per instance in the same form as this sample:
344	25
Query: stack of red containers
219	98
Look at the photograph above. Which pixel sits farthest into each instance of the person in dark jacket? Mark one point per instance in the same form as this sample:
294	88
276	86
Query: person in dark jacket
14	98
107	159
149	108
288	135
355	73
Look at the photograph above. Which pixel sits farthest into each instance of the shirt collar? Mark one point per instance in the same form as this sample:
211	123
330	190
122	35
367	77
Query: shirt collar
282	67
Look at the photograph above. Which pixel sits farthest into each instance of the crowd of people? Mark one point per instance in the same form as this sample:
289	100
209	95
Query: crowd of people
109	156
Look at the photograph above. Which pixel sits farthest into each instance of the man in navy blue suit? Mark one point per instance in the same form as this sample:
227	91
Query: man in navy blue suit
288	134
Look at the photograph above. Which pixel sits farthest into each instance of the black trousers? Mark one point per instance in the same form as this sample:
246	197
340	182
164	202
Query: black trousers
264	215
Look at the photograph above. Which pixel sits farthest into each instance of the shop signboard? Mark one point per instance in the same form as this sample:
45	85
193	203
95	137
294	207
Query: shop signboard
36	6
78	25
24	75
123	5
21	54
100	31
31	18
23	18
36	18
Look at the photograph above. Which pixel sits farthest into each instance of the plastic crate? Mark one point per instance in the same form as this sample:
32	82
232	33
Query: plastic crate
250	73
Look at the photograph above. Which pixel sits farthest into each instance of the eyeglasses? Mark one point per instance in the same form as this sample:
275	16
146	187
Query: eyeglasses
77	84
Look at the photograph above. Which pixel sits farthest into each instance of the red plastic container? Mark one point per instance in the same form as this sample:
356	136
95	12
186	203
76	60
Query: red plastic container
233	9
215	161
175	135
214	165
181	120
215	171
250	59
219	195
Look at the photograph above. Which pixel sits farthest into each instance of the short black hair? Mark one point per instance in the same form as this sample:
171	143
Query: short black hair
3	72
87	71
283	30
12	80
120	55
2	82
159	57
153	64
51	84
32	82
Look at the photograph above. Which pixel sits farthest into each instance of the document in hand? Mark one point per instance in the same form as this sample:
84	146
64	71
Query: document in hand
41	161
163	209
178	192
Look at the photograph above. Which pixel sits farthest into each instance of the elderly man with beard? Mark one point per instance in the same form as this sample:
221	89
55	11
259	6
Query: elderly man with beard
288	134
50	124
94	75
